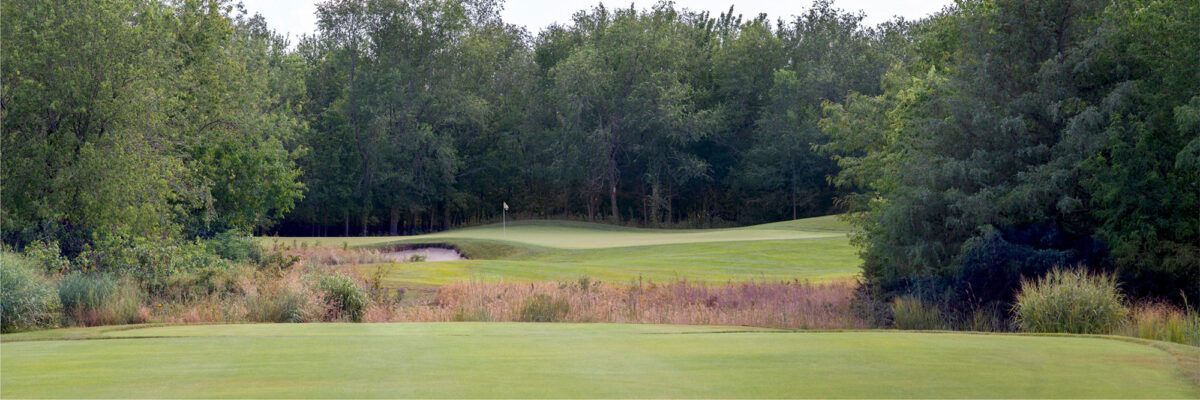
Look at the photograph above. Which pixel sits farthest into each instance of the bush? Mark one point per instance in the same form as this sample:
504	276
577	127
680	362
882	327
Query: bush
199	283
343	298
1070	301
151	262
100	299
544	308
27	299
912	313
234	246
48	256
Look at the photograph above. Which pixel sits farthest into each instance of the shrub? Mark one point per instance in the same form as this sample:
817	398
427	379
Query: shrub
1070	301
199	283
234	246
1162	321
278	304
27	299
912	313
99	299
544	308
343	298
48	255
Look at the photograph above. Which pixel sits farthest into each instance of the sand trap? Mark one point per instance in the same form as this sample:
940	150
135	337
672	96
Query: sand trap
430	253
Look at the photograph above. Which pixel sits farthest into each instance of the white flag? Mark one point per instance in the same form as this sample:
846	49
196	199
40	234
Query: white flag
505	205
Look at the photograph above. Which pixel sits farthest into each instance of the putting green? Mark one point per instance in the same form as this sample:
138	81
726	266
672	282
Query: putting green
471	360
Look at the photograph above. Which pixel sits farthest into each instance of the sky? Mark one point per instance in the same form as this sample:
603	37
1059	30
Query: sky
295	17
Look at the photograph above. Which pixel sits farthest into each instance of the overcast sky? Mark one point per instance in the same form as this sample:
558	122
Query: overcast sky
295	17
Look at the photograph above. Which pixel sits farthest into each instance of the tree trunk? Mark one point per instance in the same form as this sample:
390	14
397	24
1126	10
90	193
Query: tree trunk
793	204
395	225
347	221
365	218
613	199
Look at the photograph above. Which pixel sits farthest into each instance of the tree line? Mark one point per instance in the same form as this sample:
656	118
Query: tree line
428	114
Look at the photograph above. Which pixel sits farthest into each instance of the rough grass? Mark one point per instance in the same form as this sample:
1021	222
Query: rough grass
796	305
472	360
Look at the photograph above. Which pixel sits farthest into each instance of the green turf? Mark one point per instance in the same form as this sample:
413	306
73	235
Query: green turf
815	260
583	235
814	249
471	360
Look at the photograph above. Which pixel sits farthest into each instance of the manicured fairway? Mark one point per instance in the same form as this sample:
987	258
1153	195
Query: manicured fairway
582	235
815	249
815	260
574	360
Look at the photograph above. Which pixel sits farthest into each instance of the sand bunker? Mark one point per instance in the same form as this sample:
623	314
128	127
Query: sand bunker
430	253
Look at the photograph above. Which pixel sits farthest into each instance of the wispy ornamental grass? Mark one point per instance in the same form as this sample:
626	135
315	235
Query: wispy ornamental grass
911	313
1070	301
768	304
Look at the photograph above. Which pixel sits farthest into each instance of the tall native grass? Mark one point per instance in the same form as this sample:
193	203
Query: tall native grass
795	304
27	299
1070	301
912	313
1162	321
101	299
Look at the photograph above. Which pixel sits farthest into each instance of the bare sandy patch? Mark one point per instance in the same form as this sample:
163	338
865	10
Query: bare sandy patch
430	254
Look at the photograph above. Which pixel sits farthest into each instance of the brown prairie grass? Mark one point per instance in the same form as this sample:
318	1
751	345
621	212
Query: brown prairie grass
793	305
331	256
1162	321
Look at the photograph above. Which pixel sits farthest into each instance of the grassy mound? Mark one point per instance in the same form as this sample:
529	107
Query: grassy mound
815	249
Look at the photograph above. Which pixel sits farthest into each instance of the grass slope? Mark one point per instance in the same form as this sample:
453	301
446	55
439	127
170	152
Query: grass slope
713	262
815	249
584	235
470	360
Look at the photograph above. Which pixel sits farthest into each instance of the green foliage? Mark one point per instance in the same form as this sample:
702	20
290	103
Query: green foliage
47	255
153	129
1070	301
344	300
100	299
234	246
544	308
27	299
1016	135
912	313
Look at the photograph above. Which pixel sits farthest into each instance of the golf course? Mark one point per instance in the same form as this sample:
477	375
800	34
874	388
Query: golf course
595	360
664	199
507	360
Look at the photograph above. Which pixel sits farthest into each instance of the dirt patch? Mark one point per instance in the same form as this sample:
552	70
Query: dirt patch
424	254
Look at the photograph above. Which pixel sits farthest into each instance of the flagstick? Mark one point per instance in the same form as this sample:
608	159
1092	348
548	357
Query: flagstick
504	221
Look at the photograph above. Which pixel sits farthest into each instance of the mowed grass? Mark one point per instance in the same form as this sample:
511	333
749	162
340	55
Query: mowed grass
814	249
472	360
815	260
584	235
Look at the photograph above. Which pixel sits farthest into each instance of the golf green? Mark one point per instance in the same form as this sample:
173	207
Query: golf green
472	360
